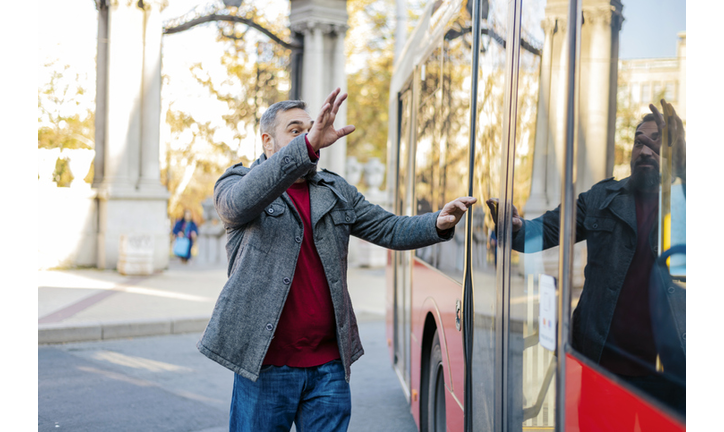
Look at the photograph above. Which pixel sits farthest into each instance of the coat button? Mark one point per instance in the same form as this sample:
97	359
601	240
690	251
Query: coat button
269	326
595	225
683	336
271	210
287	159
298	239
347	218
287	280
671	290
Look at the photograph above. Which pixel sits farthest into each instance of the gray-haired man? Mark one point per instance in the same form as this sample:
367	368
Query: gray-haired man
284	321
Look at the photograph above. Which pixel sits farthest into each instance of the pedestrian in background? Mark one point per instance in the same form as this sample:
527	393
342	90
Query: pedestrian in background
185	232
284	321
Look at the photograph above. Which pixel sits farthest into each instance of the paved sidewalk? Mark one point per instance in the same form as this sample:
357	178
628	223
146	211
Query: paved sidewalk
90	304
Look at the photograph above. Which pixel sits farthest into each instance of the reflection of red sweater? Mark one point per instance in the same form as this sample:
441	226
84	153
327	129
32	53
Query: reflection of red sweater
306	333
631	324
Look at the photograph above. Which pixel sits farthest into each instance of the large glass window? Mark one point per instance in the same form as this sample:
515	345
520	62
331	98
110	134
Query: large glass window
486	184
630	316
629	269
427	152
536	184
454	137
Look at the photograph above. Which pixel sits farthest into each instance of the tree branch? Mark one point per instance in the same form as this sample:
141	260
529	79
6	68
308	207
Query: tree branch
235	19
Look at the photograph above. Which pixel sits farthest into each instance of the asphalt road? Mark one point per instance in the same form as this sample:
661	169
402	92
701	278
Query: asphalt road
164	384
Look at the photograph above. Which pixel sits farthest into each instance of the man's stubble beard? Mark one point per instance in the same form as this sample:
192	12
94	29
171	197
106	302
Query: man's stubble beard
645	180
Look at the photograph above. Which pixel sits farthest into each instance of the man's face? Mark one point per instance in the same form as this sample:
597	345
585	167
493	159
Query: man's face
645	157
289	125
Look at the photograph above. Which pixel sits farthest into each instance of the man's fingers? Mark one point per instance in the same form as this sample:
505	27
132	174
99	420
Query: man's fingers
332	96
658	118
341	132
322	115
648	142
338	102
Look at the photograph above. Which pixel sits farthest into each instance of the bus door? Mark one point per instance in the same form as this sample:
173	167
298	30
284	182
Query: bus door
403	206
518	157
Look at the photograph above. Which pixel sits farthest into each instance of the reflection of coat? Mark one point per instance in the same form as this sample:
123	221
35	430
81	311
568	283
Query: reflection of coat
180	227
264	235
606	219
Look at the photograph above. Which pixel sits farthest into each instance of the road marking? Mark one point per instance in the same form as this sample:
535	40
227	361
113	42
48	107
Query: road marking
138	362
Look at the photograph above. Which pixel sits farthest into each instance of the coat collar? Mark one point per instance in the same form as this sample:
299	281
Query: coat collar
323	193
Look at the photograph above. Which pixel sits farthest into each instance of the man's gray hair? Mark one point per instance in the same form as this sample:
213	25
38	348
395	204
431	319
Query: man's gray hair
268	122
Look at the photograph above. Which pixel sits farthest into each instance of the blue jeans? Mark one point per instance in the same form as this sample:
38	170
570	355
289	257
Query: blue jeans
315	399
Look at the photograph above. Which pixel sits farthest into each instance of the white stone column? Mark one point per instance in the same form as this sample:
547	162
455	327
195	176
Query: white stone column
307	67
101	85
538	202
323	24
123	95
131	200
150	175
336	155
558	111
680	105
594	99
318	93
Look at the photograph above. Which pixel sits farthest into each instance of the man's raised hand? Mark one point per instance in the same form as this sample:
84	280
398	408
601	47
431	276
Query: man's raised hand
676	136
453	212
323	134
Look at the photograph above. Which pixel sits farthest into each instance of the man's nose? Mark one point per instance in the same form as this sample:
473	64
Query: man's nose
647	150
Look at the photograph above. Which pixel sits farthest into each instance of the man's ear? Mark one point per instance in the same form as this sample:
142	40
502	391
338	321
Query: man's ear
267	143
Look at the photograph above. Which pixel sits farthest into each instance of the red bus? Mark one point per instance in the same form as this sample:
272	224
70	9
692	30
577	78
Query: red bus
532	102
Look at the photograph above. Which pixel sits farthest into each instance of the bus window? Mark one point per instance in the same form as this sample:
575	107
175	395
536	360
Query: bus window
486	184
454	137
629	291
631	318
427	152
402	287
531	367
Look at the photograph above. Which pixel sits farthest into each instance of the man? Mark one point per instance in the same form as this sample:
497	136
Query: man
619	219
284	321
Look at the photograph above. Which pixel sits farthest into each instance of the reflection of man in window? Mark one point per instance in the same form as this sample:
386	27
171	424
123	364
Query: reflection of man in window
619	219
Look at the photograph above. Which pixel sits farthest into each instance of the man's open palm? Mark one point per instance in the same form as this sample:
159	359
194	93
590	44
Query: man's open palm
323	134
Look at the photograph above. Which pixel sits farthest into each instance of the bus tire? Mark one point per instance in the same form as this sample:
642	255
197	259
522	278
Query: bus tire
435	410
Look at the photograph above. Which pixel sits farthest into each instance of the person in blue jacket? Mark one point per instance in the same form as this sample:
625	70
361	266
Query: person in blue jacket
185	227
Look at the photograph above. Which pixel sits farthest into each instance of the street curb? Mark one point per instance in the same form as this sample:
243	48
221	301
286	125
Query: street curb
58	333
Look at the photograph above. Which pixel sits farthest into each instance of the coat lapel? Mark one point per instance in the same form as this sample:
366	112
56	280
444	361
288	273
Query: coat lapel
322	197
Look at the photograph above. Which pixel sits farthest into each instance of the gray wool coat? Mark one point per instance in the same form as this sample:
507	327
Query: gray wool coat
264	234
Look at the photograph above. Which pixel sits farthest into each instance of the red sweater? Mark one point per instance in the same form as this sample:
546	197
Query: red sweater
306	334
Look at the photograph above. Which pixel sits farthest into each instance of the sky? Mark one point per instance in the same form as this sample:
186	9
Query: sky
650	27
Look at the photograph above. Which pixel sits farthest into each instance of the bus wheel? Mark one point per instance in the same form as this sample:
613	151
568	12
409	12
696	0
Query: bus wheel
435	420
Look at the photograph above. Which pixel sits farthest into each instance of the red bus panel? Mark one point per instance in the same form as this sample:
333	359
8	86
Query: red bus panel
595	403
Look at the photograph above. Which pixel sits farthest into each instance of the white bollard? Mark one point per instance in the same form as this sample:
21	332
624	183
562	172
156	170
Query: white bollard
135	254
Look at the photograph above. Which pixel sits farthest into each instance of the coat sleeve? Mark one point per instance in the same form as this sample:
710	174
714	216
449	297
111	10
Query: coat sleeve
241	194
543	232
376	225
